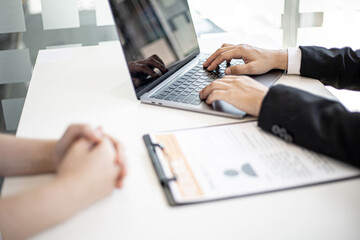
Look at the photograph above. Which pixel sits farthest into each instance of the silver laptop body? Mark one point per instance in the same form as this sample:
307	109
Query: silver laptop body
163	56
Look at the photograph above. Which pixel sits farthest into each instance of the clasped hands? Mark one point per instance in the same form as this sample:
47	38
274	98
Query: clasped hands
90	156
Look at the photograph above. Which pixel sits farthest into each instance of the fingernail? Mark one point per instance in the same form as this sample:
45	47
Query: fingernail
99	133
228	71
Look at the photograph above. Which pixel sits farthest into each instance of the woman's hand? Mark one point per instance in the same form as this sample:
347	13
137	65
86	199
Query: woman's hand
257	60
242	92
71	135
93	136
94	168
87	173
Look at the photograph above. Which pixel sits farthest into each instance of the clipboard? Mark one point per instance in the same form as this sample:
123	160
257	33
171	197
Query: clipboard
330	170
164	181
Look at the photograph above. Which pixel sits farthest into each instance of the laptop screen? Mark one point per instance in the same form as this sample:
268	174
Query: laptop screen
157	37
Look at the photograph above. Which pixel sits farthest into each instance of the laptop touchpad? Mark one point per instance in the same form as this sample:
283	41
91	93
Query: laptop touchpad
223	106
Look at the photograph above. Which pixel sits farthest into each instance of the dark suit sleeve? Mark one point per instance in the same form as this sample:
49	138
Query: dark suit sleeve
339	68
313	122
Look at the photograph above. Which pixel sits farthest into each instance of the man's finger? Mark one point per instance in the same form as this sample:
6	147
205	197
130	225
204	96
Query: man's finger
213	56
156	64
227	45
143	68
242	69
158	59
224	56
217	95
218	84
237	70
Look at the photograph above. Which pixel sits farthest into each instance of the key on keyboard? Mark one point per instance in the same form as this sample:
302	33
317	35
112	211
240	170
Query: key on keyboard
186	89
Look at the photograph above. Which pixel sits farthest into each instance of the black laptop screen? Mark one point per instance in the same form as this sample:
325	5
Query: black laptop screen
157	36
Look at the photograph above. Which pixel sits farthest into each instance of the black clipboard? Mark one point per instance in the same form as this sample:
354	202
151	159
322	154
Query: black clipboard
164	181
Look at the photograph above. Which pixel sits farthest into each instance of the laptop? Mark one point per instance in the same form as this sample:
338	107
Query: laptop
161	49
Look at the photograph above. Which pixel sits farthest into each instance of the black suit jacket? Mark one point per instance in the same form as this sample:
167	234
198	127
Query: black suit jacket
315	122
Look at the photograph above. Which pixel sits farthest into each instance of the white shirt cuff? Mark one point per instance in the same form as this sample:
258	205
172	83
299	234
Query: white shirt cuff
294	60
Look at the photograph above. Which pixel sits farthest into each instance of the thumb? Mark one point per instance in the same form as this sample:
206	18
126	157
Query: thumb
238	70
83	144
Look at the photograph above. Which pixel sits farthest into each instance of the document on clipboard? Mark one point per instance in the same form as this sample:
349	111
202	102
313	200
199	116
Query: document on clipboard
234	160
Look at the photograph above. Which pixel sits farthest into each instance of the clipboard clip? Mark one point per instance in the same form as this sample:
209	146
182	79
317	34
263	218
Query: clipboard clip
159	145
163	179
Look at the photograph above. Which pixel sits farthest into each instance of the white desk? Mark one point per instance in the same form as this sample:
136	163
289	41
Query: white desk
91	85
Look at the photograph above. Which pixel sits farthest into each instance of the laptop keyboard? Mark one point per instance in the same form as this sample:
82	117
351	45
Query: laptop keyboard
186	88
